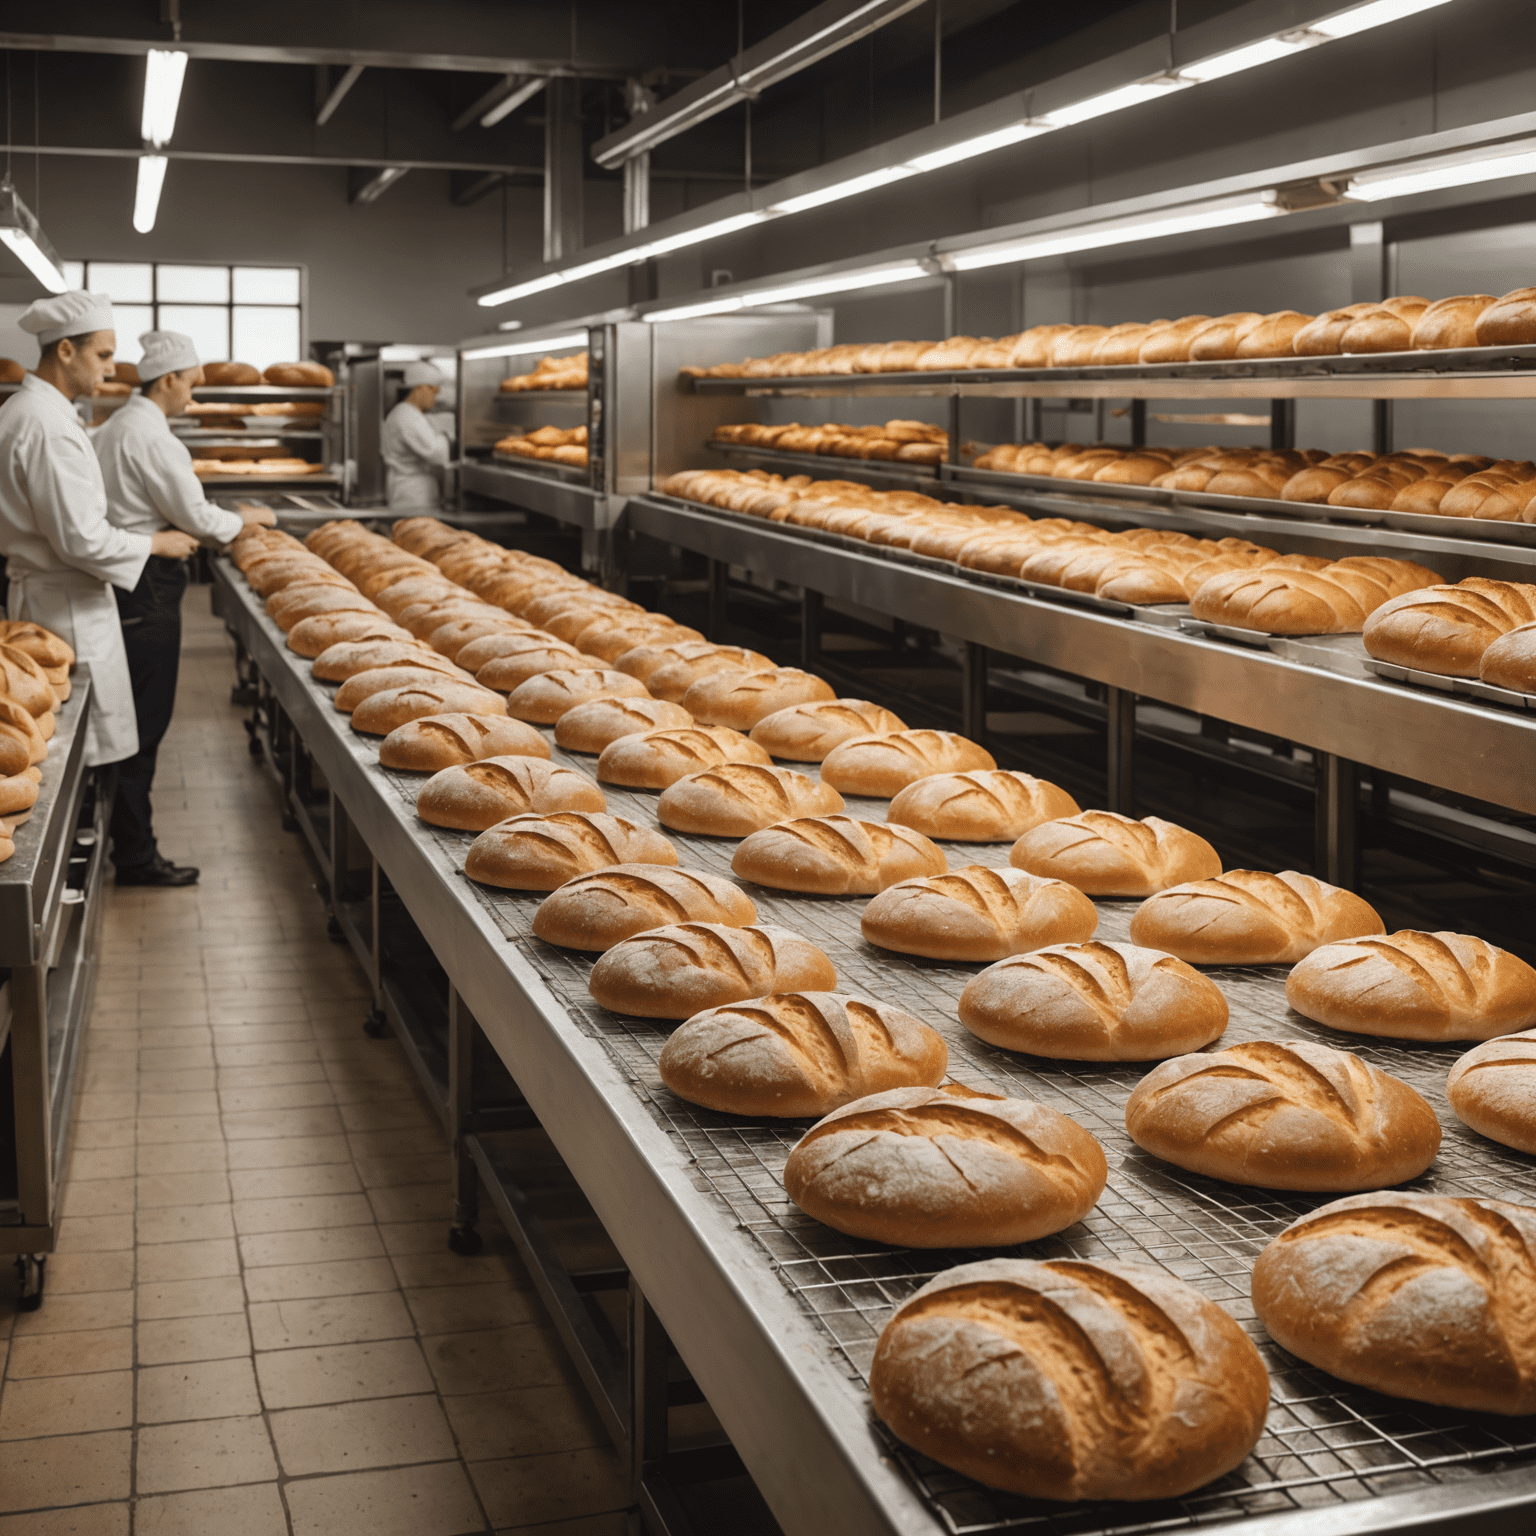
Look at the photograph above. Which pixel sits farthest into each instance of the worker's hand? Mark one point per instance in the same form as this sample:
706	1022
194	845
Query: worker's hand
172	544
258	517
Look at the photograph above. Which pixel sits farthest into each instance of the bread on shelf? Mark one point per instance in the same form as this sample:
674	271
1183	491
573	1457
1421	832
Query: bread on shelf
518	657
1107	854
835	856
478	795
597	911
311	636
883	765
534	852
1510	321
543	698
1451	322
1492	1089
1285	599
1510	661
299	375
988	805
742	700
658	758
382	713
434	742
427	673
599	723
1447	629
336	663
805	733
736	799
697	659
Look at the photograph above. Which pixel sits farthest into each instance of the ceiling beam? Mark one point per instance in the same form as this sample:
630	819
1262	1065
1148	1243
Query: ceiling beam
508	86
337	93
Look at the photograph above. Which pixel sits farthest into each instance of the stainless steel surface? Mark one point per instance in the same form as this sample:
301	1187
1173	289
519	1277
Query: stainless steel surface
551	496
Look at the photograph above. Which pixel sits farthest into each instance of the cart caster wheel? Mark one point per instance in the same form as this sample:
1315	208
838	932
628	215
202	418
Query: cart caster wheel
333	931
465	1241
32	1268
374	1025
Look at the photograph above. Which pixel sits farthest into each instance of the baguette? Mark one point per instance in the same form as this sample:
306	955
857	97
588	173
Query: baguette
533	852
883	765
1107	854
597	911
318	633
989	805
598	723
659	758
478	795
835	856
1446	629
435	742
381	713
543	698
805	733
742	700
736	799
1492	1089
1509	321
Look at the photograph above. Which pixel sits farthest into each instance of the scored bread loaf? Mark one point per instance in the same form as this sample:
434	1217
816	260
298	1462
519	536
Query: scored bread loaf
22	726
363	685
1107	854
647	658
736	799
1071	1380
835	856
799	1053
1250	917
988	805
884	765
18	791
435	742
47	649
478	795
678	971
318	633
596	724
336	663
1493	1089
596	911
533	852
1447	629
23	680
1415	986
1094	1002
1510	662
381	713
977	915
742	700
805	733
946	1167
1510	321
295	604
543	698
534	654
659	758
1419	1296
699	659
1284	1114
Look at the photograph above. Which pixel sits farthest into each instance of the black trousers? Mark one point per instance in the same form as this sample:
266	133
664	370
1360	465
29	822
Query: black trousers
151	619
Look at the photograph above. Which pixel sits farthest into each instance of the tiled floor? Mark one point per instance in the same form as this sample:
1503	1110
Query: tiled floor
253	1325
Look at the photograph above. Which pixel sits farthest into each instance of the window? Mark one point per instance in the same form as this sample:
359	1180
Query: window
249	314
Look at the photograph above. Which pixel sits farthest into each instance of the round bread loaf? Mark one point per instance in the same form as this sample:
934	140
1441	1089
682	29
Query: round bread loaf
538	853
435	742
478	795
699	659
835	856
20	787
1250	917
612	640
450	637
543	698
381	713
1419	1296
277	574
736	799
1069	1380
1510	661
805	733
336	663
989	805
500	645
1415	986
977	915
1447	629
20	725
599	910
1107	854
230	373
23	680
293	604
884	765
646	658
315	635
596	724
742	699
677	971
42	645
1493	1089
1510	321
15	752
1094	1002
1284	1114
363	685
799	1053
509	671
659	758
946	1168
1451	322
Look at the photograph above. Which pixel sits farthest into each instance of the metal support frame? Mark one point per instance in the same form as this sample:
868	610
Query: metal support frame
1338	786
811	608
974	683
1120	749
1282	424
563	169
1138	423
719	576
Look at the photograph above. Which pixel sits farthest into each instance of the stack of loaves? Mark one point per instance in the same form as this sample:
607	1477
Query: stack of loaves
905	442
34	682
555	445
551	373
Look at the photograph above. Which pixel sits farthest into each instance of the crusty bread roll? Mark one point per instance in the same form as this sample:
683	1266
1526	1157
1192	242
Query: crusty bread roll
1170	343
1419	1296
450	637
15	753
946	1167
1510	661
1321	337
1251	917
598	723
597	911
299	375
1493	1089
23	680
435	742
1107	854
656	759
735	799
477	795
225	374
1415	986
884	765
336	663
1284	1114
699	659
1273	336
294	604
805	733
1451	322
679	970
381	713
835	856
319	632
1071	1380
799	1053
1445	628
20	787
651	655
1094	1002
47	649
534	852
610	639
528	656
1510	321
988	805
20	724
977	914
543	698
363	685
742	699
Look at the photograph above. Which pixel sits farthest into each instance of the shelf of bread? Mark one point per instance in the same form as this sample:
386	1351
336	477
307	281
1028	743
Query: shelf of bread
552	375
546	448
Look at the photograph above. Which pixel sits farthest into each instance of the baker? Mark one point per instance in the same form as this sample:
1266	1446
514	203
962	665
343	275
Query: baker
63	555
147	472
414	451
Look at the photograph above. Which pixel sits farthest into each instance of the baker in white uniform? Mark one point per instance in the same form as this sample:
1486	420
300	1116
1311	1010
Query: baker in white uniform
414	452
63	556
147	472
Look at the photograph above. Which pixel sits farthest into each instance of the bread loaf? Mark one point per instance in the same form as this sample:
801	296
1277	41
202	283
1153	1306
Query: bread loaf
546	696
451	636
883	765
656	759
435	742
699	659
596	724
1094	1002
42	645
478	795
1419	1296
230	373
650	656
597	911
989	805
1447	629
15	751
19	788
300	375
1510	661
677	971
533	852
805	733
946	1168
318	633
529	656
799	1053
742	699
1251	917
1451	322
363	685
381	713
21	725
736	799
336	663
23	680
1493	1089
1069	1380
835	856
1509	321
1415	986
1107	854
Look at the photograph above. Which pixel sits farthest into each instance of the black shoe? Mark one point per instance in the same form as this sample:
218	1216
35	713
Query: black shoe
159	871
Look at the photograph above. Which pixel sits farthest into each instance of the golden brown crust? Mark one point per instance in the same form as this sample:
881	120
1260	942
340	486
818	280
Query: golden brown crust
425	674
534	852
1493	1089
336	663
479	794
743	700
805	733
1107	854
544	697
596	911
883	765
381	713
1510	661
987	805
311	636
835	856
435	742
1447	629
736	799
658	758
597	724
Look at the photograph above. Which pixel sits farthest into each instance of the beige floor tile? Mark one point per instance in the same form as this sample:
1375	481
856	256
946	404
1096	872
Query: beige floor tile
196	1260
173	1340
74	1274
330	1320
98	1197
266	1124
69	1314
289	1152
488	1360
78	1520
187	1080
71	1354
286	1183
288	1072
271	1053
409	1169
183	1189
291	1096
66	1405
177	1106
426	1142
444	1268
191	1298
94	1234
413	1202
99	1105
312	1245
386	1115
345	1277
289	1215
186	1128
254	1510
177	1058
105	1133
73	1469
181	1157
614	1523
203	1389
463	1308
211	1453
303	1378
524	1421
557	1486
347	1437
412	1501
101	1163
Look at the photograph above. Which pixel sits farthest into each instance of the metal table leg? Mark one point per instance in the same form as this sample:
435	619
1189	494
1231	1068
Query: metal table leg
810	627
1120	726
1338	856
974	681
462	1236
719	572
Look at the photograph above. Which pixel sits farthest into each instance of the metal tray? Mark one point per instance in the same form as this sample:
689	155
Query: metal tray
569	473
1257	638
1495	531
1461	687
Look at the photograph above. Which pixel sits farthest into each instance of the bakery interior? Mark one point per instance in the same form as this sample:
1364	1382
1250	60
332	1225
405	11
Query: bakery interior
862	784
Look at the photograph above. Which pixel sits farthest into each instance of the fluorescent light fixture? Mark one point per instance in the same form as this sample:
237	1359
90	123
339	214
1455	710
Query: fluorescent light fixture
522	348
164	70
839	190
146	199
1517	159
1377	14
510	325
982	144
26	248
376	186
1265	52
509	104
20	231
787	293
521	290
669	243
1114	101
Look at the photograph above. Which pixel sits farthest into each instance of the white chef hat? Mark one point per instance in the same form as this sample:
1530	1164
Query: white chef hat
423	373
165	352
67	314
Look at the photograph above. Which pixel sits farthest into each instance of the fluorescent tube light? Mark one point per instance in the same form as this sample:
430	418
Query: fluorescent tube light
26	248
20	231
164	70
1376	14
146	199
670	243
785	293
1266	52
982	144
1445	171
521	290
1114	101
839	190
509	104
522	348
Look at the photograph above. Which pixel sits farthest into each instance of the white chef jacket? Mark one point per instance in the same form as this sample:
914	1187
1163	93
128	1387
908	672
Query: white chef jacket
147	471
63	555
413	455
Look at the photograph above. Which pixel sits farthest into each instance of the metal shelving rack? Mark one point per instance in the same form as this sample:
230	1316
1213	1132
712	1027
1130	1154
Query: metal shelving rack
330	434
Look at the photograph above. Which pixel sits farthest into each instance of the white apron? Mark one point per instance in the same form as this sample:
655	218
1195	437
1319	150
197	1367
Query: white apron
82	611
413	493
